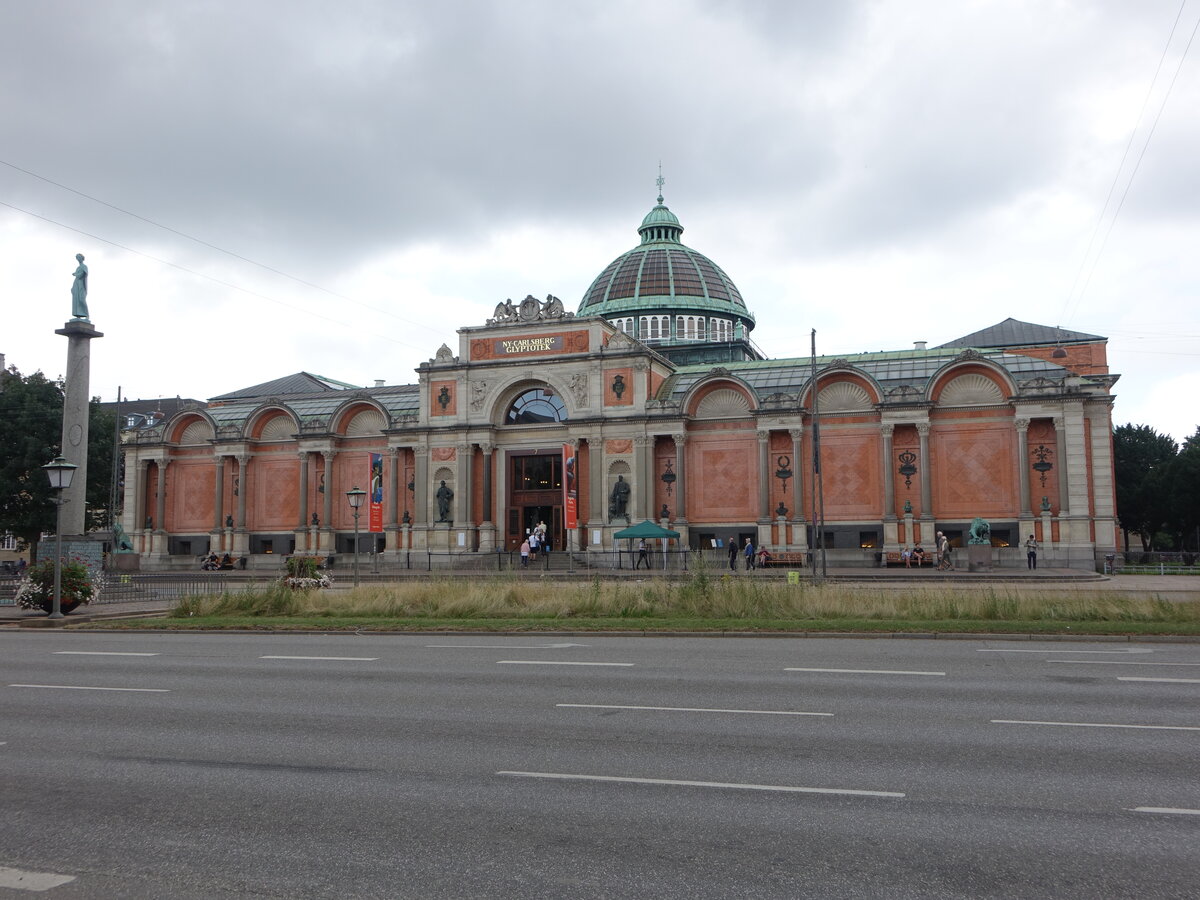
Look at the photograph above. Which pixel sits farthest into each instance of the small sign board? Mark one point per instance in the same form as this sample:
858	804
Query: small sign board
793	577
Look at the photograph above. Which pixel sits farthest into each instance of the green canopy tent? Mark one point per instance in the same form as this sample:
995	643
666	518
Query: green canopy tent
647	530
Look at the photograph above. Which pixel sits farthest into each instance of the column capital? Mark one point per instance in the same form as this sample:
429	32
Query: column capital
643	440
488	449
796	433
763	436
923	428
420	451
887	429
680	438
1021	423
465	448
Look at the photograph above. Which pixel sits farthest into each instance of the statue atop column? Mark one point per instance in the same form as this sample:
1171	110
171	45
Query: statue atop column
79	288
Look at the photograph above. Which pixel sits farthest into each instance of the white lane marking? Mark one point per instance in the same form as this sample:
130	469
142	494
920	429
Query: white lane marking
753	712
1116	662
789	789
76	687
1166	680
866	671
1168	810
1097	725
1007	650
31	881
335	658
508	646
98	653
550	662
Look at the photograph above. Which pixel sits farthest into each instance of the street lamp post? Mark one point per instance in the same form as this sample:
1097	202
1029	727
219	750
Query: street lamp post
60	472
356	495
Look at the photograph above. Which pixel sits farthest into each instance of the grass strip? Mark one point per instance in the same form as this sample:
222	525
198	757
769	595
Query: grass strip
699	603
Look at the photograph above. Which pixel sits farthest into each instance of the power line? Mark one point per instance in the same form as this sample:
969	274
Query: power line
1071	304
182	268
211	246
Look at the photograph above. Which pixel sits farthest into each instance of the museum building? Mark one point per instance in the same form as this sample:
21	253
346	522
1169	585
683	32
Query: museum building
649	402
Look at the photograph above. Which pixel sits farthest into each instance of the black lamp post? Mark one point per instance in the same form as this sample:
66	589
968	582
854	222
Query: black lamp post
356	495
60	472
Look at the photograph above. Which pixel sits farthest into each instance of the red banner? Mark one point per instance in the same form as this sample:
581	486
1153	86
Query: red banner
570	494
375	496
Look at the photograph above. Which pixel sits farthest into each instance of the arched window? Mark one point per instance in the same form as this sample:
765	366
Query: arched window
643	328
680	328
536	407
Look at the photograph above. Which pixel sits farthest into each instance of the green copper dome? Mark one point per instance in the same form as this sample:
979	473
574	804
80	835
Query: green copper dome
663	277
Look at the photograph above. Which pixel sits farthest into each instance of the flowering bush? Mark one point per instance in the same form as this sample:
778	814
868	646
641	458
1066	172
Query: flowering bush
78	583
303	574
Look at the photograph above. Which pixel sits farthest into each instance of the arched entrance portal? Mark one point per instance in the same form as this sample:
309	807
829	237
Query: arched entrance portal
535	494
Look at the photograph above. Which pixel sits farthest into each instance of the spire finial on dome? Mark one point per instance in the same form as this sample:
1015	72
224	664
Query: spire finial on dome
660	182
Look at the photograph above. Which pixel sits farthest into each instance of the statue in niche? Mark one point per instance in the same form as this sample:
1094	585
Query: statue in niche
444	496
618	500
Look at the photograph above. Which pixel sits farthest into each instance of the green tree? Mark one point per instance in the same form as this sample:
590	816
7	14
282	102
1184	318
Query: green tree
30	436
1183	477
30	432
1141	460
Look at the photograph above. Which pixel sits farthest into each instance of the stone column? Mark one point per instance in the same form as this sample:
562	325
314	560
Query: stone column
487	531
487	450
597	494
764	476
219	494
421	485
763	537
1064	479
1103	487
76	398
891	534
799	531
889	478
302	495
325	541
1022	426
240	518
926	480
680	479
391	502
643	451
301	532
139	502
464	514
159	539
214	537
241	538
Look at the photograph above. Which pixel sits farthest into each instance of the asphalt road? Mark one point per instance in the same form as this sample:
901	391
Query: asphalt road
446	766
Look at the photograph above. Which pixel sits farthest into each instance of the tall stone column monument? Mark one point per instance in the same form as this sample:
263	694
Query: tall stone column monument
79	333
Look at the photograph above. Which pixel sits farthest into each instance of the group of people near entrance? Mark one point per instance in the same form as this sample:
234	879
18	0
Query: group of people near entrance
535	540
753	558
917	554
212	562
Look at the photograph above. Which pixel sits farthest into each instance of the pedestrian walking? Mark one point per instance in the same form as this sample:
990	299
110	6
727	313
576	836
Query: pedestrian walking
749	552
1031	552
525	554
943	551
642	557
733	553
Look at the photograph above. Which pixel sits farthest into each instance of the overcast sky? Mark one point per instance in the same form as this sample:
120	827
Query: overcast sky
263	188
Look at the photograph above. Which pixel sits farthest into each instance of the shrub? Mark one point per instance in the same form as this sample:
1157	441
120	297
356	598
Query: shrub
78	585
